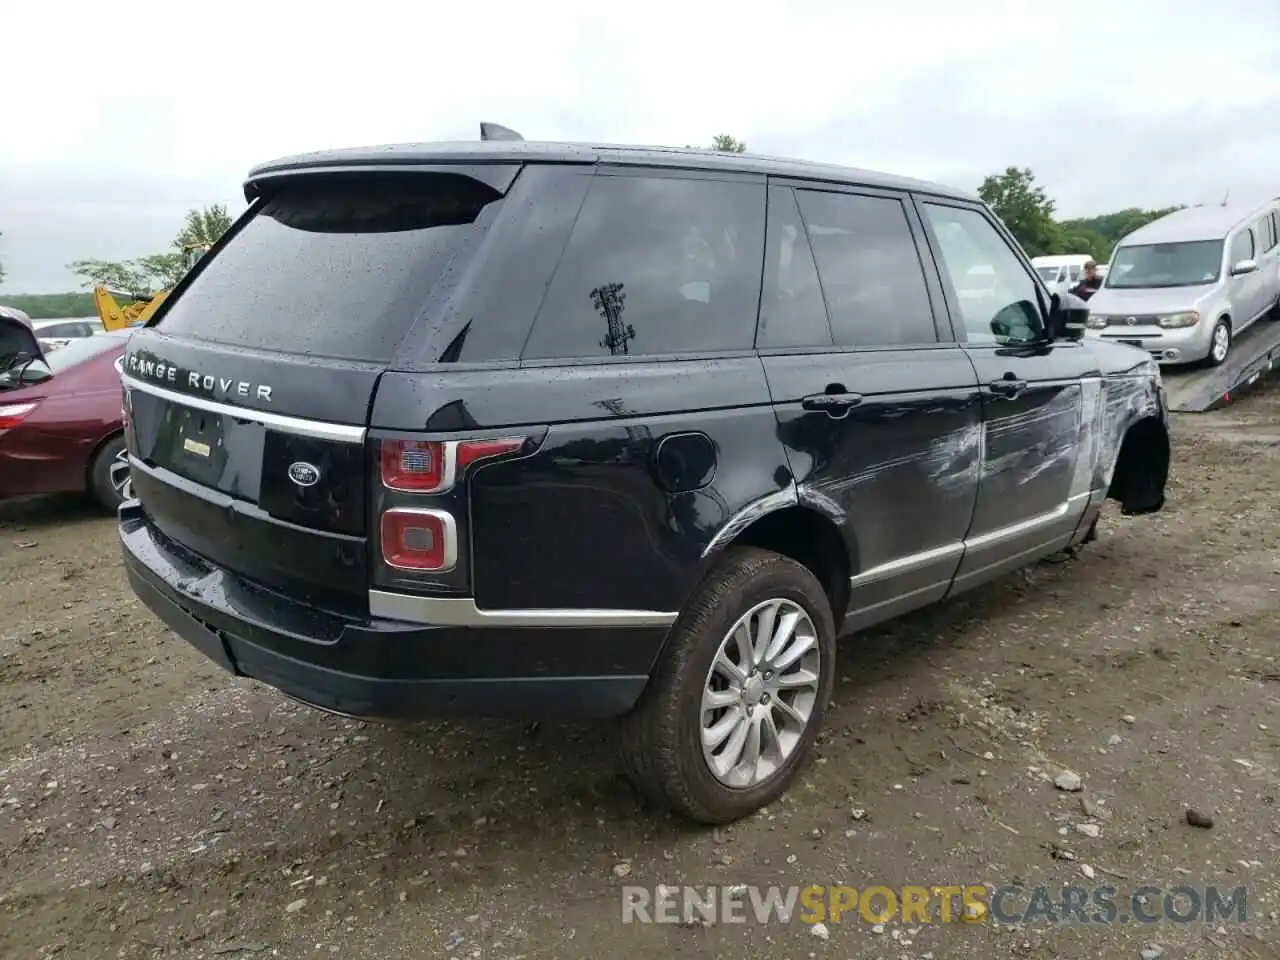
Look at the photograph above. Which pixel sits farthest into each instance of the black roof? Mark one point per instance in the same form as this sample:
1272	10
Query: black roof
523	151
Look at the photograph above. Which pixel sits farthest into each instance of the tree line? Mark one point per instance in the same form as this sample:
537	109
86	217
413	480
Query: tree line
1028	212
1013	195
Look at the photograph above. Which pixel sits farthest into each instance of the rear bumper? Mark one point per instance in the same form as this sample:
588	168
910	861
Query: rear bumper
378	668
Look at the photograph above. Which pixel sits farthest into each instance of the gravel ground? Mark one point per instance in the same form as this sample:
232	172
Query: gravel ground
151	806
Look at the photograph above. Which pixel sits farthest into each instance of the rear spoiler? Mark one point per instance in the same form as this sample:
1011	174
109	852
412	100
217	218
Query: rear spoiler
493	170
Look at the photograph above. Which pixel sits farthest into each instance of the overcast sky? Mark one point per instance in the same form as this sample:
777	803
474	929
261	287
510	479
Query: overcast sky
1144	103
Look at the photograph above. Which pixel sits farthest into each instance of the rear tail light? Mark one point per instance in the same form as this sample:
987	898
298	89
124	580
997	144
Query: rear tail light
13	414
429	466
418	539
473	451
414	466
424	541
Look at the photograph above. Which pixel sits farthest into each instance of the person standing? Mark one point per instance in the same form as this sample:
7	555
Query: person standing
1089	283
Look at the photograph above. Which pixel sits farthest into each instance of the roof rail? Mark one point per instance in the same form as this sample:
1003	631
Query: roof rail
496	131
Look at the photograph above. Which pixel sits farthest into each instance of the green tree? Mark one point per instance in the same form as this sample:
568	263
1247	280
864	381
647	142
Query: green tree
1110	228
203	227
158	271
1025	209
52	306
723	143
129	276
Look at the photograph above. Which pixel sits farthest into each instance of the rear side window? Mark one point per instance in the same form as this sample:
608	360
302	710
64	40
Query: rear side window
792	312
656	265
1267	231
870	269
336	266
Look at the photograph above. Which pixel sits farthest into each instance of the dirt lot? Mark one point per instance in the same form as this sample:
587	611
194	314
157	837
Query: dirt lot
151	806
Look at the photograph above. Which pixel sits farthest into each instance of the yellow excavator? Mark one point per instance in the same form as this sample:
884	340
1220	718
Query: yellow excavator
138	307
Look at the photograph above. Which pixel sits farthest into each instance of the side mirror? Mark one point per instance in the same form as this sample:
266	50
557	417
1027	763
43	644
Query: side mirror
35	372
1243	267
1068	315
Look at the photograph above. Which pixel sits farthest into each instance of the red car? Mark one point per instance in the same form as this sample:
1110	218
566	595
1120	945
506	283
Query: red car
60	416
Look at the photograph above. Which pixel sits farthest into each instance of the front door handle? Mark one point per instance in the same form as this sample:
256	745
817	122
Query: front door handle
1008	387
835	405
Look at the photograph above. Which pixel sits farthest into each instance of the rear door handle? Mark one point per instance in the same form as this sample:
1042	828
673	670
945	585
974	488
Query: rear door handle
1007	387
835	405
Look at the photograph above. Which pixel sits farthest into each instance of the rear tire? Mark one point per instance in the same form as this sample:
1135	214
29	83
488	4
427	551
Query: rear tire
1219	343
109	482
703	691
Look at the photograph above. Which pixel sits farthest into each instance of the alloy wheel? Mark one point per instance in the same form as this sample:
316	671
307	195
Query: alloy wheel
120	476
1221	342
760	693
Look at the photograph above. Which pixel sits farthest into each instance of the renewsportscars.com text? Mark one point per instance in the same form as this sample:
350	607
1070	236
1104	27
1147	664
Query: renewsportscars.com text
973	903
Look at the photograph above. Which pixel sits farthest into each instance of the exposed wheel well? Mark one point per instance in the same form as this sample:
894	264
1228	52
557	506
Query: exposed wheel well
93	457
810	539
1142	467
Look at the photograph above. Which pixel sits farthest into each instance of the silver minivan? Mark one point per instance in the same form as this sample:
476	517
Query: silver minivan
1184	286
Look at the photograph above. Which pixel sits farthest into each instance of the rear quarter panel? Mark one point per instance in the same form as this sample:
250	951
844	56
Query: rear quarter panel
584	522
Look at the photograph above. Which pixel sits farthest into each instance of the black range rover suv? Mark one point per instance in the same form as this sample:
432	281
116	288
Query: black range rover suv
537	429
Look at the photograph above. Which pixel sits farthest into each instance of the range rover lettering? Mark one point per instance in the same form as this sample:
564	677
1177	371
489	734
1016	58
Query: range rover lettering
530	429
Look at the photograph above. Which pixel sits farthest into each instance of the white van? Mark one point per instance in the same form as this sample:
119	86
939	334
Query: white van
1062	271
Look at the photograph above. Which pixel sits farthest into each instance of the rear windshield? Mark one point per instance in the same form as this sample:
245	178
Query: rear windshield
334	266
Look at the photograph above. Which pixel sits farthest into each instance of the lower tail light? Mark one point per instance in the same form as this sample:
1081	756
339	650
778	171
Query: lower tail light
13	414
424	541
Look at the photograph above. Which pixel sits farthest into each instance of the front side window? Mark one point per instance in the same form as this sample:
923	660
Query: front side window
996	297
1048	274
656	265
870	269
1242	247
1187	264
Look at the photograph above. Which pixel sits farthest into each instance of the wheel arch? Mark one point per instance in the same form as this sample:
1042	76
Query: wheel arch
1142	467
92	458
803	533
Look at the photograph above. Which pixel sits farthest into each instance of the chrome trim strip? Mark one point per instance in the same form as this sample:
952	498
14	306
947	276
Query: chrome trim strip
341	432
908	563
450	538
463	612
1026	526
778	500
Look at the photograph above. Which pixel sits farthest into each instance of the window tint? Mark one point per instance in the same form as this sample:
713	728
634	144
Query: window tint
1275	227
996	296
870	269
656	265
1242	247
792	312
1267	232
336	266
